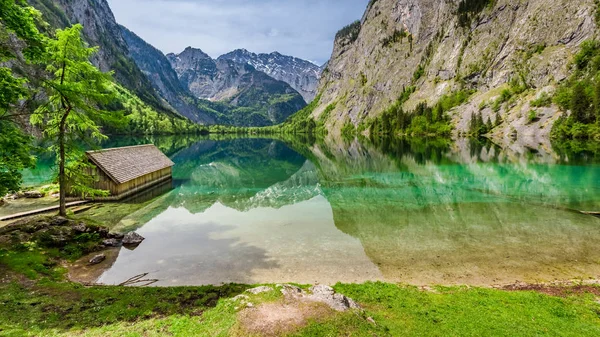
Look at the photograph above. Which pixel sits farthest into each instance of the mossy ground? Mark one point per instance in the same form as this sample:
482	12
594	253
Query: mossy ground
37	300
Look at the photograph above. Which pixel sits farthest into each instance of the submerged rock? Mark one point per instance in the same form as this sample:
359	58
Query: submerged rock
132	238
98	259
111	242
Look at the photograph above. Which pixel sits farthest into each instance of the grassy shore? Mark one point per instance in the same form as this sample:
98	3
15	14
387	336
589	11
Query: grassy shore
36	299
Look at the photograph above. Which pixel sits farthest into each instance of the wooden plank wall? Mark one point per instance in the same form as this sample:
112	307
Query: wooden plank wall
103	181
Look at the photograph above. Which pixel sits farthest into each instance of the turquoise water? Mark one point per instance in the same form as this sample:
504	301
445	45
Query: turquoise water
266	211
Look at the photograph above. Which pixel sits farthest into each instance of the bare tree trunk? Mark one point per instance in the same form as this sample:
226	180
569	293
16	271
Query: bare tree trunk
61	173
62	179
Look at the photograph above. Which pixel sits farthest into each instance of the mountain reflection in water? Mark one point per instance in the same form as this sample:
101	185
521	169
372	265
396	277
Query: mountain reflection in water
266	211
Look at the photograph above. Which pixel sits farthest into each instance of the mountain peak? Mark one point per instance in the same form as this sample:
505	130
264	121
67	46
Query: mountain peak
194	53
302	75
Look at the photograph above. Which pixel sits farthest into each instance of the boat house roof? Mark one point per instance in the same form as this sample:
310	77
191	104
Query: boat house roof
124	164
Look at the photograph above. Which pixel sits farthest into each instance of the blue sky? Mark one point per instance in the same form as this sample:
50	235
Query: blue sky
303	29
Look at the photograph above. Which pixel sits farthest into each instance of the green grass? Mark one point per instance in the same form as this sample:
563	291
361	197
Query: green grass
62	306
36	300
461	311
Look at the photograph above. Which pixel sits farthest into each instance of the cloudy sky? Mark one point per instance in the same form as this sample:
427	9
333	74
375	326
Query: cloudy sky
301	28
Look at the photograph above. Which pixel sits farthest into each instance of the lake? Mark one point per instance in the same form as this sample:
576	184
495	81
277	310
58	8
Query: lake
270	211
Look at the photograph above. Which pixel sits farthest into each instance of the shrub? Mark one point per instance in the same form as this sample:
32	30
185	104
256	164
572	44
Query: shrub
468	9
543	100
349	33
532	117
397	36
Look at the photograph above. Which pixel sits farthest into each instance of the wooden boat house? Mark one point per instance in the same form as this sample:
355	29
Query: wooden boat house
126	171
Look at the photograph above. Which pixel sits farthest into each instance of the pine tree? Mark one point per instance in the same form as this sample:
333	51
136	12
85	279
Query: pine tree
597	101
480	125
580	103
75	89
498	120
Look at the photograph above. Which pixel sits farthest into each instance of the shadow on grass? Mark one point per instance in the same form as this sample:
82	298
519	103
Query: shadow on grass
43	305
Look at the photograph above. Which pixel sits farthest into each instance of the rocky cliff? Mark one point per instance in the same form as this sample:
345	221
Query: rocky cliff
442	46
300	74
157	68
263	99
101	29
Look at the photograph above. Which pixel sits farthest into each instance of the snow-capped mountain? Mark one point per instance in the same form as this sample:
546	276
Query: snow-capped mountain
300	74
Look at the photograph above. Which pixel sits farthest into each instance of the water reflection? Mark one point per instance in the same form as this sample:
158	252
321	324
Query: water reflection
262	210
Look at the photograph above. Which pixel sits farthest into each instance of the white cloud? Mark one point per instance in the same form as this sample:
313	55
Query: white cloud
300	28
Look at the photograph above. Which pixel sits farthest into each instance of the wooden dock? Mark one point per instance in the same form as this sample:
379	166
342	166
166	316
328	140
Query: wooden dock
42	210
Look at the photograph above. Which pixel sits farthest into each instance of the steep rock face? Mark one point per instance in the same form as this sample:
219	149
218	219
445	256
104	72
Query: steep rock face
157	68
197	71
533	40
299	74
101	29
263	99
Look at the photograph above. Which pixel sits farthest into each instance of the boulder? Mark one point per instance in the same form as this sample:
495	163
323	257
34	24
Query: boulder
103	231
33	195
12	197
117	236
34	227
290	290
80	228
97	259
58	221
327	295
132	239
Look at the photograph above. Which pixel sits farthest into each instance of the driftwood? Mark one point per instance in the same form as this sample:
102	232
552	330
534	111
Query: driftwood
138	281
591	213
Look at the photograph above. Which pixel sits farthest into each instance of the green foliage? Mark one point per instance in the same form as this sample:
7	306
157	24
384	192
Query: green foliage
418	73
371	3
422	121
479	128
349	34
568	128
544	100
532	116
75	89
469	9
455	99
588	53
38	301
348	130
53	304
397	36
137	117
597	14
517	86
14	156
580	94
19	20
18	35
